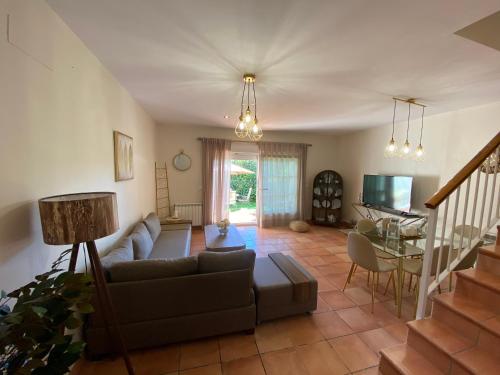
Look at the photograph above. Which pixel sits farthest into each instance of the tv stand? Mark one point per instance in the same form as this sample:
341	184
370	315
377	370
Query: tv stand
374	213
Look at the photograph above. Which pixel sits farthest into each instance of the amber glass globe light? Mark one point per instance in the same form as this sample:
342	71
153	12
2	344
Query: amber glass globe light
255	132
241	128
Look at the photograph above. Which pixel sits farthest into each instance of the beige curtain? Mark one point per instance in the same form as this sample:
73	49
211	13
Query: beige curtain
216	174
282	177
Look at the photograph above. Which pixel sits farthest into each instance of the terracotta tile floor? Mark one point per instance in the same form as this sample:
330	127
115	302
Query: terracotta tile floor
341	336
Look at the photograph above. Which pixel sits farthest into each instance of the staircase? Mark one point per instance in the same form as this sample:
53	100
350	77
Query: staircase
462	334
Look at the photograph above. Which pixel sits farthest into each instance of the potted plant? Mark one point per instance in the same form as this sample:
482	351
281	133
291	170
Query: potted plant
223	226
34	336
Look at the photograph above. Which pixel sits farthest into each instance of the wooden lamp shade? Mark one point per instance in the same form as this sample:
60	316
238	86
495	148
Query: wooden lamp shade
75	218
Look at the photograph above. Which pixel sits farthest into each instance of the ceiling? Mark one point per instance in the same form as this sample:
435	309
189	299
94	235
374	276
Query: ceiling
320	65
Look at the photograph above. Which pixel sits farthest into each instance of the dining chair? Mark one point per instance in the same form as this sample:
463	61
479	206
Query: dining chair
414	268
367	226
469	232
362	254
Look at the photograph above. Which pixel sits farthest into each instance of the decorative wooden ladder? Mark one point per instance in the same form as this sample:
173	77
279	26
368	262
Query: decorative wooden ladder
162	191
462	334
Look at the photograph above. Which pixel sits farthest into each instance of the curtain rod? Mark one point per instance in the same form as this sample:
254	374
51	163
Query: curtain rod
238	141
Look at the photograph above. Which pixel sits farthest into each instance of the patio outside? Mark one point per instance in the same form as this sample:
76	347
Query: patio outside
242	197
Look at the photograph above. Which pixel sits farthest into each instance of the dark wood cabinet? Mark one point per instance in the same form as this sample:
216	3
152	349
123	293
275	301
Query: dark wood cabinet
327	198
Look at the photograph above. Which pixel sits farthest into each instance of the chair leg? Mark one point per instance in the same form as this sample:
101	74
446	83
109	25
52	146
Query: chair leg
373	292
416	297
409	284
376	285
388	282
348	280
394	289
355	268
368	279
451	282
439	288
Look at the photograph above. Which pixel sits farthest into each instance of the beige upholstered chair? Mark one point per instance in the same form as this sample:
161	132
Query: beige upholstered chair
414	267
470	233
362	254
365	226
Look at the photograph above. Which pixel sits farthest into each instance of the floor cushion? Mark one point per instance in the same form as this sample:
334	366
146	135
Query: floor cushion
299	226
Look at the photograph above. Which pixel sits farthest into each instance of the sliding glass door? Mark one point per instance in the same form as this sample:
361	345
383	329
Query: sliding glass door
281	182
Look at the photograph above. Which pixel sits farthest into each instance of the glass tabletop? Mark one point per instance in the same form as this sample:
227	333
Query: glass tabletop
397	247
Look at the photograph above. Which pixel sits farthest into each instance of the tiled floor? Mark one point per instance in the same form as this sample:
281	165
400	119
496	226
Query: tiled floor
342	336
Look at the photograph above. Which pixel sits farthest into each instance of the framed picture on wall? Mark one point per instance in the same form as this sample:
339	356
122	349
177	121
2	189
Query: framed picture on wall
124	156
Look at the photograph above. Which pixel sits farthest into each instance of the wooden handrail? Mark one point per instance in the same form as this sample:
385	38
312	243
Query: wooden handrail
464	173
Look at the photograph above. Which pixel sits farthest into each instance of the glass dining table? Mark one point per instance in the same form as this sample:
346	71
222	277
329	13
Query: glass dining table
399	248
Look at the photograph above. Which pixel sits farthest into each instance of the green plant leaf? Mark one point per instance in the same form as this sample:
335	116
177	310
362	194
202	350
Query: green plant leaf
72	322
39	310
85	308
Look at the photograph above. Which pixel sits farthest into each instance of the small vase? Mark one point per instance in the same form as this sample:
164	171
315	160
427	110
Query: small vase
223	231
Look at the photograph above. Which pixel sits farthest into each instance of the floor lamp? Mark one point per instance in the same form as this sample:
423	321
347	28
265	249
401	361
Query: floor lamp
83	218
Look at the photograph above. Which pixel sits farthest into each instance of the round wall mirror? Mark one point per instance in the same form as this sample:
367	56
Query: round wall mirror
182	162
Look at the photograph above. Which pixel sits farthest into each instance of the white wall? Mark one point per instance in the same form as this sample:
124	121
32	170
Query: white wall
450	140
185	187
58	109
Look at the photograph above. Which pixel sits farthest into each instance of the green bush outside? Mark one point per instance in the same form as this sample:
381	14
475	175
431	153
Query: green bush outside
241	183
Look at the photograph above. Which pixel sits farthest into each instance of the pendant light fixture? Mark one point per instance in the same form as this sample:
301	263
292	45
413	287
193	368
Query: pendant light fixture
247	125
405	151
419	152
391	146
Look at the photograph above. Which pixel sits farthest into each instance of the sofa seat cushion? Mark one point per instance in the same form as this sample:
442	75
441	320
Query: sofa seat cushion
149	269
172	244
141	241
123	252
152	223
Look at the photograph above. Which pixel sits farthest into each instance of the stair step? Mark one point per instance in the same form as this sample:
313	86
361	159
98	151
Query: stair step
480	286
491	251
492	325
465	306
402	359
485	279
476	361
489	260
440	335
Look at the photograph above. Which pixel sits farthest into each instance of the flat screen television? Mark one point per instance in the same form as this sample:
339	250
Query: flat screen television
392	192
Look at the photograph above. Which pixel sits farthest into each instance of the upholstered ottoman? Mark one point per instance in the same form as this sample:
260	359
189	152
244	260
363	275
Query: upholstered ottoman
282	287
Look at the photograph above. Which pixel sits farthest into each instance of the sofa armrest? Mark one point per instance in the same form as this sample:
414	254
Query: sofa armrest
144	300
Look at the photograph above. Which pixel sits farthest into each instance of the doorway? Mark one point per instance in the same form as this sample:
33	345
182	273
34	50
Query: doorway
243	189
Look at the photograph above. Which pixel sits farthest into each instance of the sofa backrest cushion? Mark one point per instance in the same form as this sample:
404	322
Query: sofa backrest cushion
152	223
123	252
148	269
141	241
209	261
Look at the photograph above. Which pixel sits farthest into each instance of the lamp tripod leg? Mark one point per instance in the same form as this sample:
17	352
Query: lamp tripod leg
105	298
74	257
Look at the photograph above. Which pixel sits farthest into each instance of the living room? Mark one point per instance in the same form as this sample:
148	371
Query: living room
341	80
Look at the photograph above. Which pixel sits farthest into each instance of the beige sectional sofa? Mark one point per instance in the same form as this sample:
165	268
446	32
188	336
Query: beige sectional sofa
162	295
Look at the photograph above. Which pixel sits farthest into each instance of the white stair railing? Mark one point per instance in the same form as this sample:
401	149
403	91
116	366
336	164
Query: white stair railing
460	216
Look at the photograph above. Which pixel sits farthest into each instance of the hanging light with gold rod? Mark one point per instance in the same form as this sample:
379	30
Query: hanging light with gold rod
247	125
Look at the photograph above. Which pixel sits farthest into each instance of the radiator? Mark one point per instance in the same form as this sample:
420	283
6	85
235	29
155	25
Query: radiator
190	211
